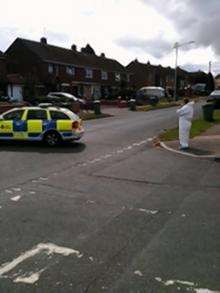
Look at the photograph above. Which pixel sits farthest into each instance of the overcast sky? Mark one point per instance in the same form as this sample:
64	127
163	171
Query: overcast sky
122	29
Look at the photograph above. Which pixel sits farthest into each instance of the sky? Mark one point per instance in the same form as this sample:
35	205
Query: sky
123	29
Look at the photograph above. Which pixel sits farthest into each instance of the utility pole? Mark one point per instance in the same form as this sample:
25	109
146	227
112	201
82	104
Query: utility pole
176	47
210	66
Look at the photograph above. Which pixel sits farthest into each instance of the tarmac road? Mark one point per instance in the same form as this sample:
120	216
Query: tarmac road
109	214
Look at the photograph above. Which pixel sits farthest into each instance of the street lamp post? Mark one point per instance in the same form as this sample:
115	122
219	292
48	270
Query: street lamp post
176	47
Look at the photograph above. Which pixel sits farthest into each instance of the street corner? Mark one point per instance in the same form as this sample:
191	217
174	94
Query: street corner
154	141
204	147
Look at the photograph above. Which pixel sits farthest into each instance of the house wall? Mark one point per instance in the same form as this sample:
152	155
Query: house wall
217	83
20	59
2	75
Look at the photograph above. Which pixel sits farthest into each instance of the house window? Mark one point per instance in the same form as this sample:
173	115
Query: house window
57	69
70	70
50	68
104	75
117	76
89	73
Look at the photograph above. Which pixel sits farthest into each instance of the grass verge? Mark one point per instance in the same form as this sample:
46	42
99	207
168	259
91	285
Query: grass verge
198	127
161	105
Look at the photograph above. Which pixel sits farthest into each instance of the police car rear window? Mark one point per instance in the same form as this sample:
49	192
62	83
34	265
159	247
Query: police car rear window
55	115
37	114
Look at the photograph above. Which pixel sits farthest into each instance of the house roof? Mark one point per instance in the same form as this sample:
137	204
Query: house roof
1	55
147	67
50	53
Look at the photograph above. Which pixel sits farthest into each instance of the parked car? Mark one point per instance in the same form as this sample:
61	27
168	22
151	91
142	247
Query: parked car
64	99
199	89
149	95
49	124
215	98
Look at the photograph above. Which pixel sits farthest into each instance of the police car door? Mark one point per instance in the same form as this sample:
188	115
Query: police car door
36	120
12	124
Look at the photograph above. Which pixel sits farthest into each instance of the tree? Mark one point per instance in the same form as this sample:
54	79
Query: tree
210	84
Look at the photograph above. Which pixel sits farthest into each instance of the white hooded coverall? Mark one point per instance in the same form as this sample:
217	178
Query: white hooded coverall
185	121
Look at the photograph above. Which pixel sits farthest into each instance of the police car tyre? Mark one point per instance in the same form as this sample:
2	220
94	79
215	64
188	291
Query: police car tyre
52	138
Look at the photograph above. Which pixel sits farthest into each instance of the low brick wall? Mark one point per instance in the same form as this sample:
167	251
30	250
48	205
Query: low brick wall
8	106
115	103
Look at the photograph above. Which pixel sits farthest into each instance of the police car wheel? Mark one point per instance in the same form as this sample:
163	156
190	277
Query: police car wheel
52	138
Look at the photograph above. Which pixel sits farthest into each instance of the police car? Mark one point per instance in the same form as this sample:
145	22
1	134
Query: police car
48	124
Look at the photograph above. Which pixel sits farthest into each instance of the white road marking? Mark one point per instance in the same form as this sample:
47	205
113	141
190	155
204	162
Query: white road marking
190	285
138	273
173	282
30	278
0	207
43	178
16	188
48	248
16	198
91	258
152	212
8	191
120	151
107	156
90	201
32	192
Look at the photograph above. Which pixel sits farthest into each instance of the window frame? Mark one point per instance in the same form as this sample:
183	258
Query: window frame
104	75
13	111
43	110
71	70
117	76
50	68
68	118
88	73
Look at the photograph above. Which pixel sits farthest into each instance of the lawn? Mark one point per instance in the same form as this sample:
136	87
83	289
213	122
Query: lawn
160	105
198	127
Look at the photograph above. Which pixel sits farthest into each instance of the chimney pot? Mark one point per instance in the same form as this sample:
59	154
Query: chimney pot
74	48
43	40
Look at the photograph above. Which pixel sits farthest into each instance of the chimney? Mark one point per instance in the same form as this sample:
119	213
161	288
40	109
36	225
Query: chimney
43	40
74	48
102	55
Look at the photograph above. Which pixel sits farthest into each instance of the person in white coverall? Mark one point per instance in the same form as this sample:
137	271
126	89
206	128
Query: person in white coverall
185	121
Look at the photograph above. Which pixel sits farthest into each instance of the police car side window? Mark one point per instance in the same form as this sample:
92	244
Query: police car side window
37	115
14	115
55	115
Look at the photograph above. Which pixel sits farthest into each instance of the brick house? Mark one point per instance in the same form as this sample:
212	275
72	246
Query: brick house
142	74
217	82
3	82
50	68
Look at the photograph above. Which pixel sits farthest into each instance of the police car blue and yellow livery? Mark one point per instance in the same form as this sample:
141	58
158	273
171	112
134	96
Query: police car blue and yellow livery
50	124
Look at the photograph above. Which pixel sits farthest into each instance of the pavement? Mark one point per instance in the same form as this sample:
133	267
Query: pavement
109	214
206	145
